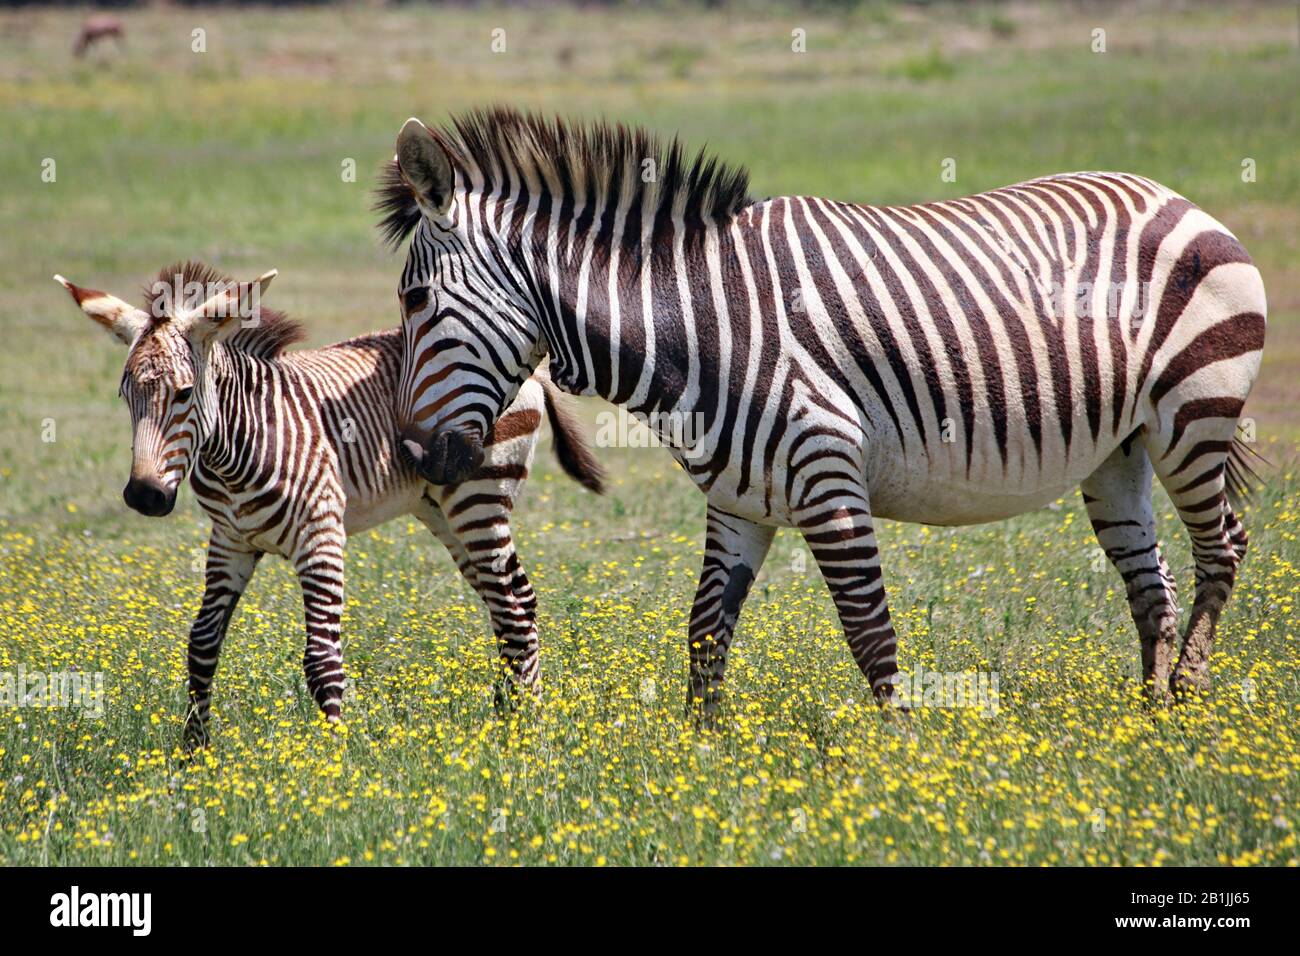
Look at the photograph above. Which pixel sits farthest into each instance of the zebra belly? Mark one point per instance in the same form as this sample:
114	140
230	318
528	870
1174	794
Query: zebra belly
362	514
939	492
924	493
943	503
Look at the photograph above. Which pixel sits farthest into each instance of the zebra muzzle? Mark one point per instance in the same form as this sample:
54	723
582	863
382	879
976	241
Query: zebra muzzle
148	497
446	457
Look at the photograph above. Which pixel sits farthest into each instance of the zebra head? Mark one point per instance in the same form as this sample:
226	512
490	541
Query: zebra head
472	334
166	382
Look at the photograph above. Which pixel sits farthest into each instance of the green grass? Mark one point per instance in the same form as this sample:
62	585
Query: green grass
235	156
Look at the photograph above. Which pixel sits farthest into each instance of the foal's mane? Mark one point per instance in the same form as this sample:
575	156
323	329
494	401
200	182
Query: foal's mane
597	160
273	333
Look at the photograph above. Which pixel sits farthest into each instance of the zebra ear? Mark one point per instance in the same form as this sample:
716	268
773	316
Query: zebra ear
426	167
242	301
122	320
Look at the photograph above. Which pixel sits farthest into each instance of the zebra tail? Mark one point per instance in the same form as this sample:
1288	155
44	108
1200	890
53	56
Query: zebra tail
571	448
1240	478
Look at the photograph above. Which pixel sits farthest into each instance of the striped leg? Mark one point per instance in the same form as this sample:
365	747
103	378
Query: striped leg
319	564
512	605
734	550
431	516
230	566
1118	498
473	522
1236	532
843	540
1193	472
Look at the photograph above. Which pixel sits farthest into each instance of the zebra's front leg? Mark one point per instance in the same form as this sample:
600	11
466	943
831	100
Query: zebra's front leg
483	548
840	533
230	566
319	564
734	550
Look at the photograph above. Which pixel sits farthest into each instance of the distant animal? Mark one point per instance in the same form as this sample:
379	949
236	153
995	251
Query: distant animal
293	451
96	28
948	363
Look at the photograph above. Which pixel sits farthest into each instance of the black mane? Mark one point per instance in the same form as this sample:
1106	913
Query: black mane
597	160
273	333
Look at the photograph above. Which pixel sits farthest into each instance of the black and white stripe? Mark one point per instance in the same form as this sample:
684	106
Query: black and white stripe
292	452
948	363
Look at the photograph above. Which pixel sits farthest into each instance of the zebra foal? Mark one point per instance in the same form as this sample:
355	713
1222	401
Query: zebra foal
290	452
946	363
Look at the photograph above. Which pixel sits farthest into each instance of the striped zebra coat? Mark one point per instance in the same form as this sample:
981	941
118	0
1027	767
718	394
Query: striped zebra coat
292	452
947	363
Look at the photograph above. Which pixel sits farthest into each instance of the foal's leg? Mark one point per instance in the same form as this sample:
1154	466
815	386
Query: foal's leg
318	560
230	565
430	515
472	520
734	550
1118	499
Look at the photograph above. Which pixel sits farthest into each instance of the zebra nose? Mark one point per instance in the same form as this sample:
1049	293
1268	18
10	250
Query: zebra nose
412	452
449	457
148	497
411	448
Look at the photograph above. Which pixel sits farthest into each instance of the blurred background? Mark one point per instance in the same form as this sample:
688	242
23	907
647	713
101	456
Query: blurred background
134	135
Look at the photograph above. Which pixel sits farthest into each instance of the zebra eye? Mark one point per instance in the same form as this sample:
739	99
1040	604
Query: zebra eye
413	300
183	394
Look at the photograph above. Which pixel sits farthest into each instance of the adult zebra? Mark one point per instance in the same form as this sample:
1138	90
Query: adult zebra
948	363
292	452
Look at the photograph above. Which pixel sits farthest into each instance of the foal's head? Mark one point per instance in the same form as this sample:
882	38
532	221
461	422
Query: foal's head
166	381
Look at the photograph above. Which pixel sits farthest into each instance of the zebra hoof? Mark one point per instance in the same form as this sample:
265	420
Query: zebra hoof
1184	688
509	697
195	738
892	708
705	715
1156	697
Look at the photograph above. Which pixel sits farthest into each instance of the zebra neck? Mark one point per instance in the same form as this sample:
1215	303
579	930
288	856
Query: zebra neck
619	331
230	381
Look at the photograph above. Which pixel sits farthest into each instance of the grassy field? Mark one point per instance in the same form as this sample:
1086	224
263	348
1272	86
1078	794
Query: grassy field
237	155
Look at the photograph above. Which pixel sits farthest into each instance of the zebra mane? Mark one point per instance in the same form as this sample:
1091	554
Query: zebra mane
396	200
273	333
596	160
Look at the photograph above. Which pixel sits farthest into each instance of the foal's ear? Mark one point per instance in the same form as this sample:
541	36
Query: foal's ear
426	167
235	307
122	320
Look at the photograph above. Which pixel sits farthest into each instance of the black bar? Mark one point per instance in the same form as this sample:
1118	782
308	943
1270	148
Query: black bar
211	905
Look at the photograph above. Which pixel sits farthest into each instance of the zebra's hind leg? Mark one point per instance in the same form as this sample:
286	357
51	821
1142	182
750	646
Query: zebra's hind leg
1118	498
319	563
1192	469
230	566
1236	532
840	532
734	550
473	523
